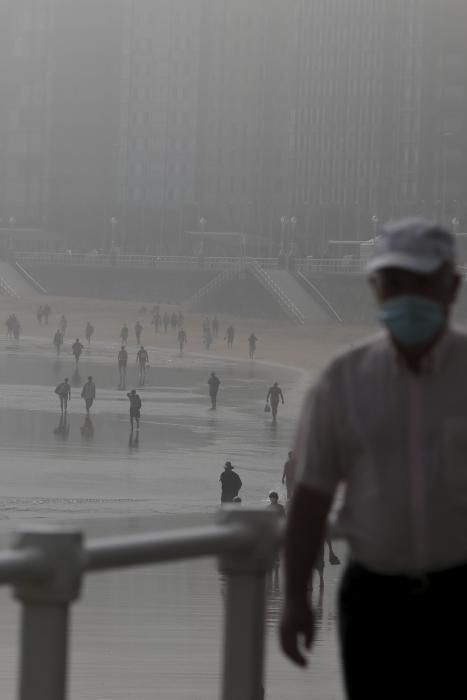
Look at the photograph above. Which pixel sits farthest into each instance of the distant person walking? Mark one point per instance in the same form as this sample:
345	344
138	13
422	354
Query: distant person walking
88	393
252	340
138	331
288	475
182	339
58	340
122	365
230	483
166	321
142	363
16	328
207	337
89	332
229	336
273	397
124	334
215	327
63	390
156	321
77	348
63	324
135	408
214	383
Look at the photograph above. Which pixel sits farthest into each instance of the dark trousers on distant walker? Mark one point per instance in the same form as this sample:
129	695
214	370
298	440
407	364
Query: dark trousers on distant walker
403	637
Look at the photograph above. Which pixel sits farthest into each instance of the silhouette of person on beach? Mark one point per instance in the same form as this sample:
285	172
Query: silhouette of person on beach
122	365
182	339
77	348
252	340
124	334
273	397
63	390
58	340
135	408
230	483
214	383
142	363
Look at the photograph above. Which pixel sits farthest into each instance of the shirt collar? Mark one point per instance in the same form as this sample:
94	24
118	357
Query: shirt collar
431	362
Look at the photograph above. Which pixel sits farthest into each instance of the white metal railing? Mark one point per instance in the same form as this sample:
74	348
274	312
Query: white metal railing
324	303
30	278
47	567
6	289
332	266
226	274
335	265
285	302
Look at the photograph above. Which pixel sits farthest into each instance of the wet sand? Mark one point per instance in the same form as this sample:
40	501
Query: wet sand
151	632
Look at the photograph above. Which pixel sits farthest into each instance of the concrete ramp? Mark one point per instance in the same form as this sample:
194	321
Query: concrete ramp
291	287
13	283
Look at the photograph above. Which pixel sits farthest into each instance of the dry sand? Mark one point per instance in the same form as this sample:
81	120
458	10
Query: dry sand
307	347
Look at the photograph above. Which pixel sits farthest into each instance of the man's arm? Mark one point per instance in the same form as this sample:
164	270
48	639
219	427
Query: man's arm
282	396
308	514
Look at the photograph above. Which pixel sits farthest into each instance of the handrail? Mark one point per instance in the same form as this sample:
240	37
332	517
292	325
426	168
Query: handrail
5	287
316	292
219	279
48	564
133	550
286	303
328	265
30	278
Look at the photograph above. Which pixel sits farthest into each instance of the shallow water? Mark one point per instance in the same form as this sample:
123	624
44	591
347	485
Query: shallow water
152	632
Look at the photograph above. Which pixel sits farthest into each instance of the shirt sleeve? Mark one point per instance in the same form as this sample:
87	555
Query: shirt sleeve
317	443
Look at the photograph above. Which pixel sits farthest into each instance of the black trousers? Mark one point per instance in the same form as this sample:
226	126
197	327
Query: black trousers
403	637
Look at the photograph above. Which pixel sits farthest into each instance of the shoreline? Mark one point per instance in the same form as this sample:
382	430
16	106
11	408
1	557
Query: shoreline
306	348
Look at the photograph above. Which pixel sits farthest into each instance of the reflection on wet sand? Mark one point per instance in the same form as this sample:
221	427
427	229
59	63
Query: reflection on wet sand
63	428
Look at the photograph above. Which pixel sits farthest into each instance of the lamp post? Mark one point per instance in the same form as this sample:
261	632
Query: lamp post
375	225
455	225
113	227
293	226
284	223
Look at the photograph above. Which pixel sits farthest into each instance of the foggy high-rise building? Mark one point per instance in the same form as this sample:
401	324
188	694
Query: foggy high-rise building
25	31
132	119
159	120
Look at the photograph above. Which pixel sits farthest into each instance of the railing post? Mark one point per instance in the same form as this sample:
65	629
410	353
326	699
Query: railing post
245	593
45	612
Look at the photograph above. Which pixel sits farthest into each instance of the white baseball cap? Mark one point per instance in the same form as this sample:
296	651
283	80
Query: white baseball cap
415	244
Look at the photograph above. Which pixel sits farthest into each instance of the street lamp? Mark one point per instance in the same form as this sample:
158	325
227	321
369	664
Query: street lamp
12	221
113	226
455	224
375	224
202	223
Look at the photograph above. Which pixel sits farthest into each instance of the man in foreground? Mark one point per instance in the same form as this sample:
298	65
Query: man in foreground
388	420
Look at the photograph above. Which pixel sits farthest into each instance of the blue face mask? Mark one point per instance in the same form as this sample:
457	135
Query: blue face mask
411	319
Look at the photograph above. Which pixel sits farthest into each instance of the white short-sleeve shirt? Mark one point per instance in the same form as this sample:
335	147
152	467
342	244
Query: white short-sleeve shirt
397	441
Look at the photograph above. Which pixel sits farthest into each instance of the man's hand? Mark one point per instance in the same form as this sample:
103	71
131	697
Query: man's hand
297	626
